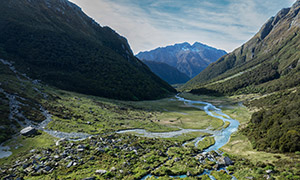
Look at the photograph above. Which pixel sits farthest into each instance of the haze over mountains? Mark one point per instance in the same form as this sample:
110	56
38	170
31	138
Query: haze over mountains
267	64
189	59
54	41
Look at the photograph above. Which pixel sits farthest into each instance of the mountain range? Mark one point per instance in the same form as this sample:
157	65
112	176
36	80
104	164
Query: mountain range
54	41
268	64
73	101
189	59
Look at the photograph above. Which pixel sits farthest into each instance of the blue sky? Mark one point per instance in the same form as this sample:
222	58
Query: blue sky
148	24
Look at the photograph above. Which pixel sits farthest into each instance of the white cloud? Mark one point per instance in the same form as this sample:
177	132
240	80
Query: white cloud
224	25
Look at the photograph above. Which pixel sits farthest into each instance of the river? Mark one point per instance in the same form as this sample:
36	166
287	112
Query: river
221	136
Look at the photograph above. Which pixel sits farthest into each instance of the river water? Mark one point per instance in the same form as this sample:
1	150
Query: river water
221	136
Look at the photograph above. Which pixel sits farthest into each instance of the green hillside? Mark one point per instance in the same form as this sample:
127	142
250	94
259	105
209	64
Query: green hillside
267	65
166	72
54	41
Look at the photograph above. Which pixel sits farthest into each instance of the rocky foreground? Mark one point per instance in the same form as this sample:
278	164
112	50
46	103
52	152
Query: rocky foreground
112	156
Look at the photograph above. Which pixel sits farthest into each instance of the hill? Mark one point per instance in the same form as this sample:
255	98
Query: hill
54	41
189	59
166	72
268	64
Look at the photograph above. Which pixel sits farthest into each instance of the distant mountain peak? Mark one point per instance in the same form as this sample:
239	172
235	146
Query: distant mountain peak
187	58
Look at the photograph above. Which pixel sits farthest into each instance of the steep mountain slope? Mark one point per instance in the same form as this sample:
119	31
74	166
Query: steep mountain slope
189	59
268	64
166	72
272	53
54	41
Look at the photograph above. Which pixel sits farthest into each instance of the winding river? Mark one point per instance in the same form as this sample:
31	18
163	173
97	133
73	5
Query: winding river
221	136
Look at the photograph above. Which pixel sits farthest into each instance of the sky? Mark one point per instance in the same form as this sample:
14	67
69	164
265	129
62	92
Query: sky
148	24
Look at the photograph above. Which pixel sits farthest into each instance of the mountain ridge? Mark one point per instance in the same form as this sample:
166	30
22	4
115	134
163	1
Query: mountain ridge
268	65
249	50
187	58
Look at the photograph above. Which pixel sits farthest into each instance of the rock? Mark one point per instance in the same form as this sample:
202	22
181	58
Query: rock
32	151
269	171
28	131
81	147
48	168
80	150
56	157
70	164
36	168
188	173
113	169
34	162
100	171
59	142
228	161
224	161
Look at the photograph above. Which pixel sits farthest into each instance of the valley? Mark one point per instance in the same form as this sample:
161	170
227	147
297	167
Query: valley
76	103
102	120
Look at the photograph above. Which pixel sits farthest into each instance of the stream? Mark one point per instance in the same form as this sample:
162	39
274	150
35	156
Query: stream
16	113
221	136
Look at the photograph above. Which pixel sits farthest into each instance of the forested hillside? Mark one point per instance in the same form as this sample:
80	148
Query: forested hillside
168	73
54	41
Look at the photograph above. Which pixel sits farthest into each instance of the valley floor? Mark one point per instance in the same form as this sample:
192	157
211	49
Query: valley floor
107	154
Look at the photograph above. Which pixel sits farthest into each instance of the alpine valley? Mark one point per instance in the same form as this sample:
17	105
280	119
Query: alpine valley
75	103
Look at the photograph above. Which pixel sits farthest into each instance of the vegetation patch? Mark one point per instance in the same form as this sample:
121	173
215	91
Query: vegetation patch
206	143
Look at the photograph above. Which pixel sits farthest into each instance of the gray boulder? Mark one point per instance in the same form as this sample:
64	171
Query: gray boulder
28	131
101	171
228	161
224	161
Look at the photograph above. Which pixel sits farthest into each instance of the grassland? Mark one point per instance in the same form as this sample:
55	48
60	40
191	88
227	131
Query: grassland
93	115
206	143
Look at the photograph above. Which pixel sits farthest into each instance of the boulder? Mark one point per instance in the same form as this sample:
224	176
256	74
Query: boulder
48	168
228	161
100	171
70	164
28	131
269	171
225	161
